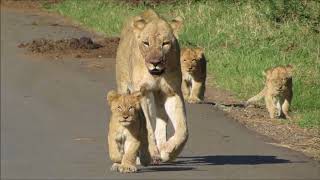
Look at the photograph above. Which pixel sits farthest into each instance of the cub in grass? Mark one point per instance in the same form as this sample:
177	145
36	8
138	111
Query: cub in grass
277	91
194	73
127	132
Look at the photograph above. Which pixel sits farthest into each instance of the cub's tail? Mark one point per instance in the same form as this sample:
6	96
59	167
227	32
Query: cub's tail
257	97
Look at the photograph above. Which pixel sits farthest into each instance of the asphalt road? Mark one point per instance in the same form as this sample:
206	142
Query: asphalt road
53	119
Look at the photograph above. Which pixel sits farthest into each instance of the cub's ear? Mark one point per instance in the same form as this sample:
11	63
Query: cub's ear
111	96
138	24
137	94
142	92
144	89
290	70
176	25
199	52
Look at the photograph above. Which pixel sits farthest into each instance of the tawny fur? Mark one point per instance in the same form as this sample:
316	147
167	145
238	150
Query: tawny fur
146	39
277	91
127	131
194	73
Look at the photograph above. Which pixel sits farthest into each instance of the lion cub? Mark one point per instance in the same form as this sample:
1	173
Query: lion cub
277	91
126	131
194	73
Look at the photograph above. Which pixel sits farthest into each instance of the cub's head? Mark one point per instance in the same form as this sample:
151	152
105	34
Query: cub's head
156	39
125	107
279	78
190	59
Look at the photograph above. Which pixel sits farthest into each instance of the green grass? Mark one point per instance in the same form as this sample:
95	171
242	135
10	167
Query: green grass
241	39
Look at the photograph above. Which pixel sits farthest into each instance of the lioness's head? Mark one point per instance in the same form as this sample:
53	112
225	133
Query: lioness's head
279	78
126	107
156	38
190	59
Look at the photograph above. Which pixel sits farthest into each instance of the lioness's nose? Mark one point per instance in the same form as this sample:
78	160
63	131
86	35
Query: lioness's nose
155	61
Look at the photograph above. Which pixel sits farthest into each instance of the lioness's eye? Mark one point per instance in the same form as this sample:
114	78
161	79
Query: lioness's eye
146	43
193	60
184	60
165	43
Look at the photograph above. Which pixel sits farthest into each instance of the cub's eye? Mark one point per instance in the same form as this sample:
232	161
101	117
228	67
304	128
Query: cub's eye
184	60
145	43
165	43
131	108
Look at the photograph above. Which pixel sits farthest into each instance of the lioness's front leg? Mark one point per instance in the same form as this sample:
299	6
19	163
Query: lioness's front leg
146	105
176	111
161	120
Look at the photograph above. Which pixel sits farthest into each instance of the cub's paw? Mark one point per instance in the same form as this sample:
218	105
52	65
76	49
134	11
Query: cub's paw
125	168
155	157
155	160
193	100
115	167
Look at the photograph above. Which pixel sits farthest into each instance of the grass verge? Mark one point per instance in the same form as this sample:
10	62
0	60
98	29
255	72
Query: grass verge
241	39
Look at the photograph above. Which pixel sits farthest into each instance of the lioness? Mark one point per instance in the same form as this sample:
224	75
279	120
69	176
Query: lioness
126	131
277	91
194	73
149	53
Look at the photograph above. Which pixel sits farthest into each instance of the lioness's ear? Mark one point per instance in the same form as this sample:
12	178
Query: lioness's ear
176	25
111	96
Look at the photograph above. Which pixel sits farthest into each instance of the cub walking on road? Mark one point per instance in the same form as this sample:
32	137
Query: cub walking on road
127	131
194	73
277	91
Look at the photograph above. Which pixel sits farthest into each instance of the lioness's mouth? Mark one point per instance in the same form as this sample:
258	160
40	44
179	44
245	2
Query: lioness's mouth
156	72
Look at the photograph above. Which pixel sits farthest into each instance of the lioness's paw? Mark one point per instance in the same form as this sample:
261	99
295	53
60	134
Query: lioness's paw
114	167
165	156
125	168
165	150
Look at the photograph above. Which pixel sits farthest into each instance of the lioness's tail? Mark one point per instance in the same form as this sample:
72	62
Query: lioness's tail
257	97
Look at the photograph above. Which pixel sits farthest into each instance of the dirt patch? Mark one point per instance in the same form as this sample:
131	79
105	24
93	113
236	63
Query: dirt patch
83	47
94	52
286	134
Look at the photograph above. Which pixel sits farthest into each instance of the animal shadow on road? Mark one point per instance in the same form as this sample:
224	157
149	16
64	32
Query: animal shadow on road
168	168
229	160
